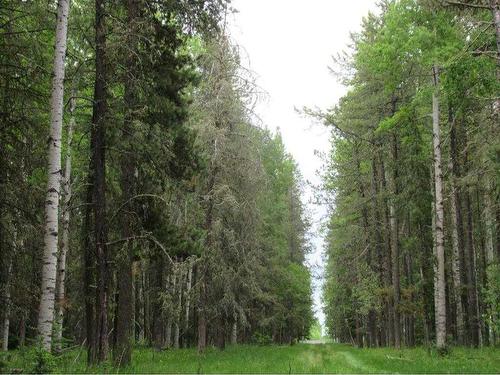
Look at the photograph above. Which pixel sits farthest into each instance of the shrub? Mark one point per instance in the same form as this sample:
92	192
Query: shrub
261	338
42	361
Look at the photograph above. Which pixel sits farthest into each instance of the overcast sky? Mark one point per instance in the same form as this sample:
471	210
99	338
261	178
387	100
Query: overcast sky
289	45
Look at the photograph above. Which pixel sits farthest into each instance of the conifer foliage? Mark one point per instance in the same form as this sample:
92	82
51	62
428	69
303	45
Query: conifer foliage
181	221
412	179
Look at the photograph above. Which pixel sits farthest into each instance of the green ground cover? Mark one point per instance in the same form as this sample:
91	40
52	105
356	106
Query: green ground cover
301	358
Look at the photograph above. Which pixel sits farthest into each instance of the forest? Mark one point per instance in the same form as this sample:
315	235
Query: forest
153	210
145	207
412	181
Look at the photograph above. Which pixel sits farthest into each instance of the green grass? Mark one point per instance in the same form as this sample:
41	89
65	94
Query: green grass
301	358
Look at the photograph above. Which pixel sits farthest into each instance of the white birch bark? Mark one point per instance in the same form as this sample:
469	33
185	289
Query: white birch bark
178	310
440	287
61	265
141	302
434	252
234	331
495	10
188	296
49	266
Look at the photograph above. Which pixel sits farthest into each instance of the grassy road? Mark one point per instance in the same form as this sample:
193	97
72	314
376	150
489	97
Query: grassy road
301	358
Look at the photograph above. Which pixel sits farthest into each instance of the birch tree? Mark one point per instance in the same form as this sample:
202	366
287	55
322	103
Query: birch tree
49	268
66	215
440	281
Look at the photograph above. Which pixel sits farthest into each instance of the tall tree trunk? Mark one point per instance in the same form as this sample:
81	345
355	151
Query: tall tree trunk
139	303
473	303
188	297
234	329
123	349
88	275
7	305
377	237
393	220
489	223
490	229
202	322
178	310
98	142
49	266
171	288
22	329
495	10
439	217
389	306
410	329
434	251
61	264
157	268
370	254
457	233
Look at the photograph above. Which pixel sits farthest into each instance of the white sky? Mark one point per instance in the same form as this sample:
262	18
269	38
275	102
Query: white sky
289	45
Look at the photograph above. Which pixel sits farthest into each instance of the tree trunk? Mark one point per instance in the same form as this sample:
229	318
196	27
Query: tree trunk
234	330
178	310
88	275
98	142
202	331
457	235
377	237
410	328
389	306
61	264
393	220
168	333
495	10
22	330
6	312
158	266
370	254
472	303
123	349
139	303
49	265
489	224
490	229
439	217
434	251
202	322
171	289
188	297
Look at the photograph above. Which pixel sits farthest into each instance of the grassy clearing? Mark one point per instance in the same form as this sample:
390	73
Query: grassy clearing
301	358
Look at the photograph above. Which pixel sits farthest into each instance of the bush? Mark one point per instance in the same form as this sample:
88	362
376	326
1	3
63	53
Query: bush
262	338
3	363
42	361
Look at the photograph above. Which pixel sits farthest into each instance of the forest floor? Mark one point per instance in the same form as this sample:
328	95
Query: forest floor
300	358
